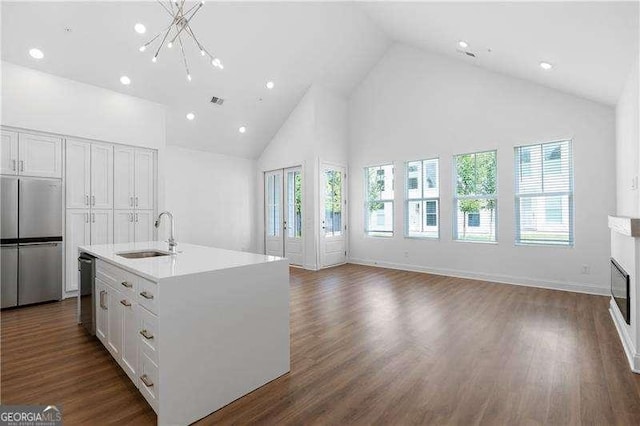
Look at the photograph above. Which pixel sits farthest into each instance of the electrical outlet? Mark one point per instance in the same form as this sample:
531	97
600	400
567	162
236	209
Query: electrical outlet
586	269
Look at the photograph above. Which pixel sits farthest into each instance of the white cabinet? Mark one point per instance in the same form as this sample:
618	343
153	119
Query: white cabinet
9	153
114	321
101	303
129	337
101	226
144	181
39	155
123	177
78	180
123	226
143	225
78	233
101	176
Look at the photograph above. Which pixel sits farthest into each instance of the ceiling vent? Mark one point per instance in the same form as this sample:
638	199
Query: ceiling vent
464	52
217	101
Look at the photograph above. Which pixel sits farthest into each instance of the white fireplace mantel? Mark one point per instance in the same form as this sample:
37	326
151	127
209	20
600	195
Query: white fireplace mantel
629	226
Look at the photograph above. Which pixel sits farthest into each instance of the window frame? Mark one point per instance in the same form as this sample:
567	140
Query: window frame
570	194
367	231
456	198
421	199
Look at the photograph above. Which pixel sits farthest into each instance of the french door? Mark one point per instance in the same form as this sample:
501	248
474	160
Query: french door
283	214
333	241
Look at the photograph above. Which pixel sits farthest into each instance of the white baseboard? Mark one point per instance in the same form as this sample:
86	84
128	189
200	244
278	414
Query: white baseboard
495	278
632	355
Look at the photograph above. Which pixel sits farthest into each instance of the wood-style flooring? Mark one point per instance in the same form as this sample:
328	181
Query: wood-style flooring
369	346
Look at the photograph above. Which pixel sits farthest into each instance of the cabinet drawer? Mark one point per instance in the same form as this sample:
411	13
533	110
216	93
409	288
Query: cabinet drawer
121	280
148	381
148	334
148	295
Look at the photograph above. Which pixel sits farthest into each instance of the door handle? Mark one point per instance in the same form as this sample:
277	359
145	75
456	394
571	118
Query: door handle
131	201
146	334
145	379
13	162
22	165
102	294
93	217
146	295
86	200
93	200
126	284
136	217
136	201
125	303
131	217
86	218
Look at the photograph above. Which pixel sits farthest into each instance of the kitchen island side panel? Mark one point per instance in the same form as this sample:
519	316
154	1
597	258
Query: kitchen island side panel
223	334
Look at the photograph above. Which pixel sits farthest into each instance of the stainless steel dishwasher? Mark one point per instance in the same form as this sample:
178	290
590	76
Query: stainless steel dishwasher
86	304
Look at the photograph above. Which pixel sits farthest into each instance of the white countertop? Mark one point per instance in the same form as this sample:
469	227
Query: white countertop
190	259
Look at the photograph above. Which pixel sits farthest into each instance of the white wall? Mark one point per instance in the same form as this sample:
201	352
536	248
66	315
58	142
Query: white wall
316	130
39	101
415	105
212	198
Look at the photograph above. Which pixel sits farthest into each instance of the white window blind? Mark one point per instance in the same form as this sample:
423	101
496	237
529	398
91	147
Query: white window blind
422	204
379	200
475	197
544	193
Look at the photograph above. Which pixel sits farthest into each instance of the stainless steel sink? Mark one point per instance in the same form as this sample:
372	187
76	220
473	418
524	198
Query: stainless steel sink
142	254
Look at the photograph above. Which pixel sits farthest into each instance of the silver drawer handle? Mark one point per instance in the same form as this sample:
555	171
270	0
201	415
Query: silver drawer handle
125	303
146	334
22	165
102	294
126	284
146	295
14	165
145	379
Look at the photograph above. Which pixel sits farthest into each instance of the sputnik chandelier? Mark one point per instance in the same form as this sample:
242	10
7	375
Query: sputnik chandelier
180	27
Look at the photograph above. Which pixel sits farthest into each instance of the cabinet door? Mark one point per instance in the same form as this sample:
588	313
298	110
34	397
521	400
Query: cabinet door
115	313
39	155
77	234
123	226
143	225
101	176
123	177
144	188
130	337
78	174
101	301
101	226
9	153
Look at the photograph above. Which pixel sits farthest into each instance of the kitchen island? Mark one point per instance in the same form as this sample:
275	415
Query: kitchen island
193	330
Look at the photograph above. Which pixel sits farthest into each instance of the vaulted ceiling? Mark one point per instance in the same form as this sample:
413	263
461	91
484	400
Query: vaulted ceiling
590	44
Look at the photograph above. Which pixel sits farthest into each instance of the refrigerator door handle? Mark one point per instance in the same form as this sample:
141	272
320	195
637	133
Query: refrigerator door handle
45	244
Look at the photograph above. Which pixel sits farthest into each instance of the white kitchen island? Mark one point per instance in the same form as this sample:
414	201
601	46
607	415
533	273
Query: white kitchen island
193	330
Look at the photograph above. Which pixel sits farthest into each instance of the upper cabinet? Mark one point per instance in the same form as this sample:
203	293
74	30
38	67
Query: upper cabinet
124	166
30	155
89	175
134	178
9	153
144	187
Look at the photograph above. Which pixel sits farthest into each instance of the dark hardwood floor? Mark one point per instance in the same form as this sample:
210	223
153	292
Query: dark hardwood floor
369	346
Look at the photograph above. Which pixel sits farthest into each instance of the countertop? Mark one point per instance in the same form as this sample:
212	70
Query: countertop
190	259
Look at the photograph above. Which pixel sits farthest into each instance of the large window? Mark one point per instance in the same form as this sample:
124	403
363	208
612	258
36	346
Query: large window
422	201
544	194
379	200
475	197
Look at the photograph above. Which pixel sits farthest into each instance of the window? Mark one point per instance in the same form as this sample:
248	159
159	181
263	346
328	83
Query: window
379	200
475	197
422	199
544	194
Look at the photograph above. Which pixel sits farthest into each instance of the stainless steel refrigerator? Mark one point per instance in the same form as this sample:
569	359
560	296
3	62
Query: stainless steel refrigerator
30	240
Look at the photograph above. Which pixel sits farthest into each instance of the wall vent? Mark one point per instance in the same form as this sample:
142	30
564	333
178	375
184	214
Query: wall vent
217	101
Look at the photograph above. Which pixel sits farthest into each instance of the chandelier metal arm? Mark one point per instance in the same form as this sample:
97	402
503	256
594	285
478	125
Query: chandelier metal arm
184	58
165	7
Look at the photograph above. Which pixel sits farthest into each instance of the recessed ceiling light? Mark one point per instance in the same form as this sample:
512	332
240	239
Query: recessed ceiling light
545	65
191	116
140	28
125	80
270	85
242	129
36	53
463	44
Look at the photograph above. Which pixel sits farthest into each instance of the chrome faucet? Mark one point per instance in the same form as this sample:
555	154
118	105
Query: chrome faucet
172	241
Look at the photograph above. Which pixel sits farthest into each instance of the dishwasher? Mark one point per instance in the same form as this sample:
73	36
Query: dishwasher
86	302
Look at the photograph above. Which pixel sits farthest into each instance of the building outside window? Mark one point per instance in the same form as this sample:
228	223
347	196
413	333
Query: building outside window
422	198
379	200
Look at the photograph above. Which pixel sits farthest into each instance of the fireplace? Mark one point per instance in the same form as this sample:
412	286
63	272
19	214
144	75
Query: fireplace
620	290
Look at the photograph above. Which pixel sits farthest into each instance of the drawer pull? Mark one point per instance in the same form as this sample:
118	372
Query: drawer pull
146	295
126	284
145	379
125	303
146	334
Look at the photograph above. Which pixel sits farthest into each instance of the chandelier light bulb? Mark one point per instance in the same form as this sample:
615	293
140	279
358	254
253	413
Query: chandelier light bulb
154	59
202	52
142	48
189	77
169	45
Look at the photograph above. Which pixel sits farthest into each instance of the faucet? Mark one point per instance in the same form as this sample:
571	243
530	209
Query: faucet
172	241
